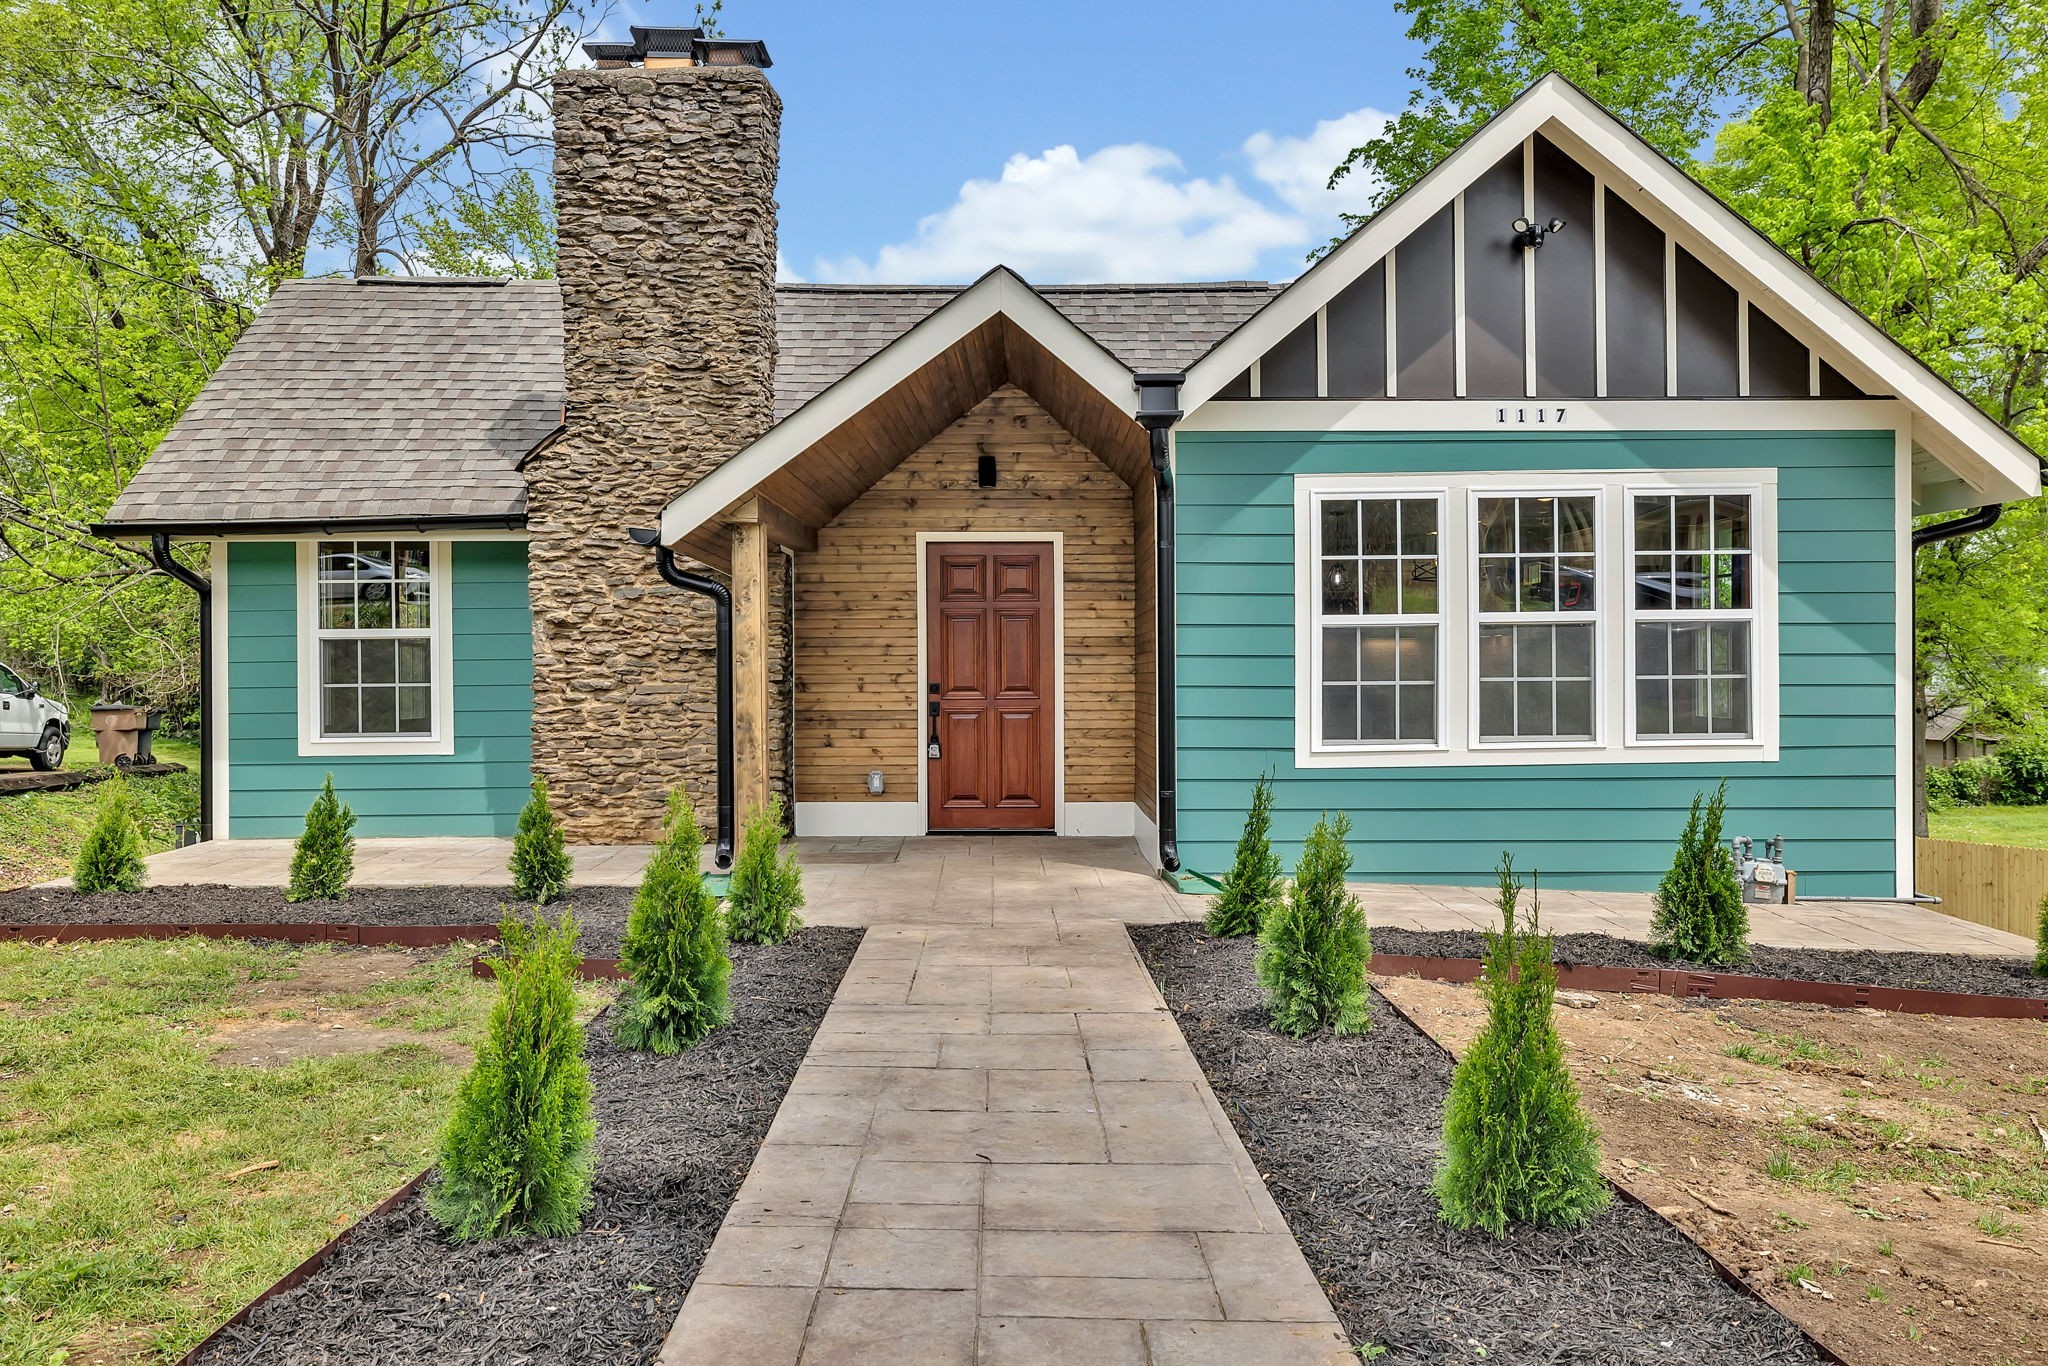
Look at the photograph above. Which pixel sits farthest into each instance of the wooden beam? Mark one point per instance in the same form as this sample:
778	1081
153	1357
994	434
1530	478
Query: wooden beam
750	650
782	527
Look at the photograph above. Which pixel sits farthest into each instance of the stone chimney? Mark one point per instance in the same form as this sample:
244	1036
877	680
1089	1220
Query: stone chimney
665	200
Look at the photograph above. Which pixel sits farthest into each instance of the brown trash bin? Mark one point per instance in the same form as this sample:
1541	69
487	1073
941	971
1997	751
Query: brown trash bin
117	729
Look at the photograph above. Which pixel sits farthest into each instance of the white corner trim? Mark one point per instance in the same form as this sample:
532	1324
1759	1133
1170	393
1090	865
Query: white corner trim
1100	819
1954	430
312	745
1146	831
219	767
1906	850
1000	292
855	819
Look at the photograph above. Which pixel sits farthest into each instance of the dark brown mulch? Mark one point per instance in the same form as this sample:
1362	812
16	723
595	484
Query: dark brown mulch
1346	1133
674	1138
600	910
1879	968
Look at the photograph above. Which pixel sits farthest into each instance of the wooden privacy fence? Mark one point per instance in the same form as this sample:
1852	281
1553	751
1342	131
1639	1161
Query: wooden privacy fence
2000	885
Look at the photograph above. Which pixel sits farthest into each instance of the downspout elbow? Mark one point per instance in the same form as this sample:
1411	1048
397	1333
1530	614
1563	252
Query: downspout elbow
1977	519
167	563
676	576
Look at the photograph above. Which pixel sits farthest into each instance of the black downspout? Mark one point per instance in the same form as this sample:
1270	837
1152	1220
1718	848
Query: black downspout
1158	409
160	556
1976	520
721	598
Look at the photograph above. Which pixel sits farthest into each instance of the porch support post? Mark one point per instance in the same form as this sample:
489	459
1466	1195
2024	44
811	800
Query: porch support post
750	663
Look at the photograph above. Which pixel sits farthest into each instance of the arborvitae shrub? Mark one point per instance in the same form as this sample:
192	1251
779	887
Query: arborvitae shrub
324	858
516	1156
1700	916
110	860
767	886
1517	1147
1252	886
2041	941
540	855
674	947
1314	948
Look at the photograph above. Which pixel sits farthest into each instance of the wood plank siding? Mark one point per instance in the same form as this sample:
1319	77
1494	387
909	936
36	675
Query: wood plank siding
858	695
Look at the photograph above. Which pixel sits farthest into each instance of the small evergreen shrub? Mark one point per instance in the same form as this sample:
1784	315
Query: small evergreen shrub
2023	770
674	949
110	860
516	1156
767	886
1700	916
2041	941
1314	948
1517	1147
1253	884
324	858
540	854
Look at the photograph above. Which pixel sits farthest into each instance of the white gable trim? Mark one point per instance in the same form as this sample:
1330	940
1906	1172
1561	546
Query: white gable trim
1983	454
1001	291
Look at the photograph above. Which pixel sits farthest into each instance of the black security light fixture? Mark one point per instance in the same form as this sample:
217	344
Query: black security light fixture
1531	234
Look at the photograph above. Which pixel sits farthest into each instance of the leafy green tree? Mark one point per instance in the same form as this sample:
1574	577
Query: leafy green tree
1700	916
2041	941
1517	1146
324	858
540	852
1252	886
767	886
674	949
516	1156
1314	948
110	860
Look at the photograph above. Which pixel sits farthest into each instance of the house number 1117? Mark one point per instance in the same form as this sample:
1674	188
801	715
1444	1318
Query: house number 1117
1541	417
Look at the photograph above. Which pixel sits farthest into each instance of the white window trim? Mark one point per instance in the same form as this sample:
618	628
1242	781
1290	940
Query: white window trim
441	740
1614	669
1597	618
1308	515
1762	613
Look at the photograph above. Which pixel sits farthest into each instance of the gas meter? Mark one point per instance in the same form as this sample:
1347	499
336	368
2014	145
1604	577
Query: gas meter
1763	879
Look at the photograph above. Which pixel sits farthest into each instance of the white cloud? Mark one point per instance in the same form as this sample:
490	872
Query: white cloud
783	274
1127	212
1130	212
1299	169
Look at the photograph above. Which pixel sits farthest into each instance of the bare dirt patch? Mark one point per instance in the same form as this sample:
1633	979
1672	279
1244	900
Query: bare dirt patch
281	1020
1879	1178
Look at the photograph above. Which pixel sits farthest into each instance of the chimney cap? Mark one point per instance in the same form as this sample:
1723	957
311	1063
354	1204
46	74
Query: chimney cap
684	46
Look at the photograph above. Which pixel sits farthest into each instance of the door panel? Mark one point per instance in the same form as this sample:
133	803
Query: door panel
989	632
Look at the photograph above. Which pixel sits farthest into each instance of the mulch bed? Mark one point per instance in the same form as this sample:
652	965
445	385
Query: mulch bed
674	1138
600	910
1346	1133
1922	971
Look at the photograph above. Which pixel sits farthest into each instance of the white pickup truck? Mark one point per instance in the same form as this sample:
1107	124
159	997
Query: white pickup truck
32	724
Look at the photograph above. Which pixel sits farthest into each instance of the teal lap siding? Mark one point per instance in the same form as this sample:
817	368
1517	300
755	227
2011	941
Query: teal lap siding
477	790
1832	792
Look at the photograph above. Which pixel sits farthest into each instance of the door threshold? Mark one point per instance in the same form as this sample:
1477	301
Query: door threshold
995	830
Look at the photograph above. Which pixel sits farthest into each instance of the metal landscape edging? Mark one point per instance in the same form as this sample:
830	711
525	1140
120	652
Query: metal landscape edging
1685	984
304	1271
289	932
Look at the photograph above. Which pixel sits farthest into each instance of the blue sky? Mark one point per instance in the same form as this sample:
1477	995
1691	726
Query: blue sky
1133	141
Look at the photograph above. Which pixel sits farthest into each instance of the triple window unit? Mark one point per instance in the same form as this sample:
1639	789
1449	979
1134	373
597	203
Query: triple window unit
1584	616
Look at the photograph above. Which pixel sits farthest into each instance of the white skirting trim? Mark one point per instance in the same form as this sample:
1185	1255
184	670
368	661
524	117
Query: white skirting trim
1099	818
859	818
1147	832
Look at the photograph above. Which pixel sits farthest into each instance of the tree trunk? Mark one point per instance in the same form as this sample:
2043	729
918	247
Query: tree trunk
1818	64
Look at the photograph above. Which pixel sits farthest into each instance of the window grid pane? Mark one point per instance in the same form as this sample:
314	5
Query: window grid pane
1693	558
1377	569
1537	554
374	619
1378	557
1536	682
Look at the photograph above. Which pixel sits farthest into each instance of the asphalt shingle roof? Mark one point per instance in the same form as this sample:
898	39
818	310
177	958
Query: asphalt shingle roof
417	398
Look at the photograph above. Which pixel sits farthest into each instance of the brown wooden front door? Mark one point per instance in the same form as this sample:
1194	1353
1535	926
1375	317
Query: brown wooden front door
988	655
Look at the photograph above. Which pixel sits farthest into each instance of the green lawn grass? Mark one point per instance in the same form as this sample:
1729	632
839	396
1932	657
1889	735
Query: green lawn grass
2023	825
40	831
120	1233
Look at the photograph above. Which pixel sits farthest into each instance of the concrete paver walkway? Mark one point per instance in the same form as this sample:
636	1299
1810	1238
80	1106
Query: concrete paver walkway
999	1150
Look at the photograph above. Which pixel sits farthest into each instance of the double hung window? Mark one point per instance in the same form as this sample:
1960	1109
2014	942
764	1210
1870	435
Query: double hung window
1379	619
1537	573
374	655
1694	610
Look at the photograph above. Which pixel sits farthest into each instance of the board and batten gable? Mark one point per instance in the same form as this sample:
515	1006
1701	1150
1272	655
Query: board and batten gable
477	789
1832	788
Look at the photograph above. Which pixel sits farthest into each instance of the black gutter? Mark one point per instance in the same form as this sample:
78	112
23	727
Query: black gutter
1976	520
160	556
1158	409
721	599
338	526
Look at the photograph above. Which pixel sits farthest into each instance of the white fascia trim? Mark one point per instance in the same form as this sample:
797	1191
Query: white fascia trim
312	745
854	819
1537	416
1949	426
1001	291
1100	819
